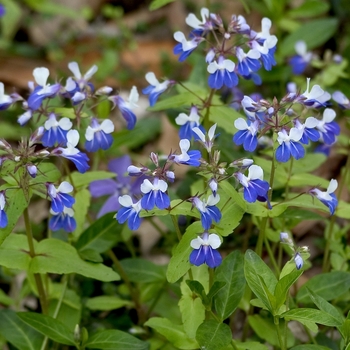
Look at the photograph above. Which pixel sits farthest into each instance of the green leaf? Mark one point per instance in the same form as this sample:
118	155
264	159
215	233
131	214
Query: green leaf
47	172
65	112
212	335
311	8
145	129
192	310
115	340
197	288
143	271
307	315
343	210
177	101
232	273
283	286
18	333
16	203
81	180
325	306
251	345
49	327
225	117
179	263
5	299
266	329
314	33
300	179
309	347
175	334
259	275
12	20
81	207
55	256
156	4
329	286
101	235
106	302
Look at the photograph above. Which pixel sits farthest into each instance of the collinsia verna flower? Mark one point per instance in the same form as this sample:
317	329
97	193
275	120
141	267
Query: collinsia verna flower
188	122
208	210
327	127
63	220
60	197
315	97
185	47
130	211
255	188
302	59
43	90
154	194
200	26
308	130
298	261
341	99
248	62
5	100
81	82
3	216
155	88
204	250
222	74
56	131
117	187
186	157
289	145
32	170
328	197
207	140
247	134
126	107
72	153
98	136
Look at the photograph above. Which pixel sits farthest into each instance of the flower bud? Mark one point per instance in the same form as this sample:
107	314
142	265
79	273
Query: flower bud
298	261
32	170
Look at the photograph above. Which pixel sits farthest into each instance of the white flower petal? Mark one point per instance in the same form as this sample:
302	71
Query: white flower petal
199	133
73	137
213	200
89	133
151	78
300	47
241	124
162	185
90	72
146	186
2	201
311	122
74	68
214	241
211	132
65	123
40	75
179	36
133	98
125	201
295	134
107	126
184	145
182	119
213	67
328	115
333	185
65	187
255	172
196	243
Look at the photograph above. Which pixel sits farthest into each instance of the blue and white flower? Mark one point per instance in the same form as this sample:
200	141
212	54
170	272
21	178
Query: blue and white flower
328	128
63	220
255	188
222	73
308	129
5	100
208	210
328	197
130	211
154	194
32	170
200	26
248	62
204	250
60	197
185	47
155	88
301	60
188	122
341	99
289	145
43	90
186	157
56	131
315	97
72	153
126	107
81	81
3	216
98	136
207	140
247	134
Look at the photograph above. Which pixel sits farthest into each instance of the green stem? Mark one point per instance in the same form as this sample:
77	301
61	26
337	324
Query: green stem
37	276
132	291
155	301
271	256
279	335
329	232
176	225
233	345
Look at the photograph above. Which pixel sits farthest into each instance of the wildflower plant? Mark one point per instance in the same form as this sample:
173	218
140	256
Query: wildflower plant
249	162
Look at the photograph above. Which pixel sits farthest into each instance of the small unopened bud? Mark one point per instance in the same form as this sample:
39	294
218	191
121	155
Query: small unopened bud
170	175
298	261
213	185
17	158
32	170
242	163
227	36
77	334
36	135
4	144
135	171
216	156
210	56
105	90
78	97
284	237
154	158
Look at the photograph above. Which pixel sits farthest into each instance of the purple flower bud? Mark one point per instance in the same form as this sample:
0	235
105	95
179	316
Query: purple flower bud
298	261
154	158
32	170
